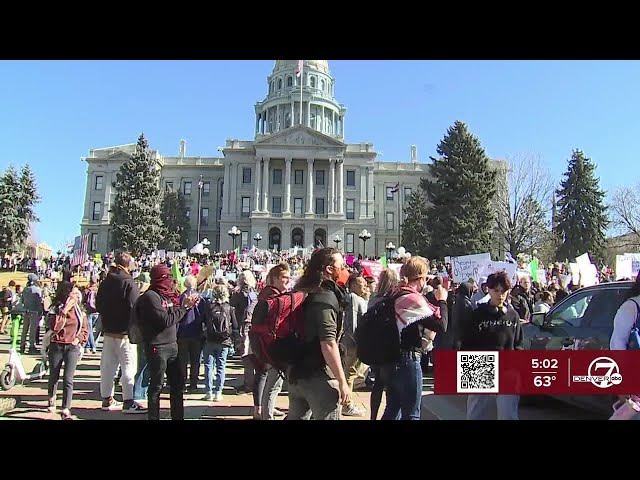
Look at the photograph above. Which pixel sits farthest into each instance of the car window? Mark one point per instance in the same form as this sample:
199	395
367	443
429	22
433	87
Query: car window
604	306
572	311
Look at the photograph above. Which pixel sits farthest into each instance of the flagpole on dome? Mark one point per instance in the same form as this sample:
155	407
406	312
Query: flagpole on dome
299	74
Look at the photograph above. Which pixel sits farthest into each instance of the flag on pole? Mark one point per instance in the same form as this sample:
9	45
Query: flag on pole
396	189
299	68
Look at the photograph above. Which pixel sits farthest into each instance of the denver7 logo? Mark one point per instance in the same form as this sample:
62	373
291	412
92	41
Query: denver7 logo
611	372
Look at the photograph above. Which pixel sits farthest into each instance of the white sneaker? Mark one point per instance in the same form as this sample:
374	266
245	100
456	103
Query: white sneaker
217	397
353	411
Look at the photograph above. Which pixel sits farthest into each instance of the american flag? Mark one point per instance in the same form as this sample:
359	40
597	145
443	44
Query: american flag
299	68
80	254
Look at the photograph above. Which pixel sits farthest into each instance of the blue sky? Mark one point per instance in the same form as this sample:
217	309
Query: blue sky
53	112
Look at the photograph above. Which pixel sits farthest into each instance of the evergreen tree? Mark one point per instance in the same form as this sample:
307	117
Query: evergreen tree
136	222
11	223
415	237
460	216
28	199
582	215
175	223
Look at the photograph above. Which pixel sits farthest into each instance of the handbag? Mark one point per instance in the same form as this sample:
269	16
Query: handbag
626	410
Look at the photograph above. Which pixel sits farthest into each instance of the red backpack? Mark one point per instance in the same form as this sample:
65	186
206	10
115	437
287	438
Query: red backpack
277	329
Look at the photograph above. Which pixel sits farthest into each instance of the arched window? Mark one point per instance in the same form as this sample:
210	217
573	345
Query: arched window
289	81
322	85
313	82
279	84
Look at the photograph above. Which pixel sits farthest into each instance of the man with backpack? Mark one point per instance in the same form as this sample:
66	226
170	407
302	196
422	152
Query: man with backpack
316	379
33	310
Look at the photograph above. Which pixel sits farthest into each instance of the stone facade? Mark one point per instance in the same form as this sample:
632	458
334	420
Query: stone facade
296	184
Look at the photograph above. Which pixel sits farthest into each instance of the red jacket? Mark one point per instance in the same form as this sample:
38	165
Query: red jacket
68	327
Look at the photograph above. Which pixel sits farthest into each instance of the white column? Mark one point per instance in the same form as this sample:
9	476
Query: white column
265	185
287	186
332	185
310	182
370	200
341	187
277	121
333	122
363	193
323	123
308	122
293	111
342	123
258	177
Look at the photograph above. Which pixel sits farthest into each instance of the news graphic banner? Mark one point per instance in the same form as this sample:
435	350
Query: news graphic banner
529	372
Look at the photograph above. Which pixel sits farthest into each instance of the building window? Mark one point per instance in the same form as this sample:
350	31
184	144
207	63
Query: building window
186	189
389	191
276	205
277	176
244	239
297	206
407	193
313	82
221	189
349	242
374	194
206	189
246	207
97	210
220	214
188	213
319	177
351	178
168	187
320	206
246	175
298	177
390	221
99	182
351	209
279	84
94	242
204	217
322	85
289	81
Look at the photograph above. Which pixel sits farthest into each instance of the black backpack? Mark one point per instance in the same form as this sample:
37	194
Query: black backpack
217	325
376	336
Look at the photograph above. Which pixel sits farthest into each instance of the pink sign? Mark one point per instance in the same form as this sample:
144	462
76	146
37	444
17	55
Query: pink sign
371	269
350	259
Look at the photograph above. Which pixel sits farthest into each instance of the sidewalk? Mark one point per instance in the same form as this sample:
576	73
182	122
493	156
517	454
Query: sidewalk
86	400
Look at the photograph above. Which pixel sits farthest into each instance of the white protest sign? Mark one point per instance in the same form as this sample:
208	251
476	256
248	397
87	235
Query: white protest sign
574	269
584	260
493	267
469	266
395	266
635	263
588	275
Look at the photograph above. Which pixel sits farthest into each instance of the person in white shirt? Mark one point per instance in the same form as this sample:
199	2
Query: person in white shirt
544	304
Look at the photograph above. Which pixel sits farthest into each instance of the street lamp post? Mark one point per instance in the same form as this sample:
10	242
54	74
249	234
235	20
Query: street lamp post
257	238
390	248
200	184
337	241
364	236
234	233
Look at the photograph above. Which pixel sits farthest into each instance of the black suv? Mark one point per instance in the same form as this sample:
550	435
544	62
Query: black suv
581	321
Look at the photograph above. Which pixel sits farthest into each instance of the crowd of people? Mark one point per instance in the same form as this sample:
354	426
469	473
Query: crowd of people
204	318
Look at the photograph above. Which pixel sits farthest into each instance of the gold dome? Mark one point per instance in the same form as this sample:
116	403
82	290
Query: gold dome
319	65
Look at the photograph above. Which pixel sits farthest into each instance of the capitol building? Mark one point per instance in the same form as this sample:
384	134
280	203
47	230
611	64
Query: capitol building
297	183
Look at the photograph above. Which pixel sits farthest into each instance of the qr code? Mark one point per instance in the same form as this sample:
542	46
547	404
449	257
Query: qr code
478	372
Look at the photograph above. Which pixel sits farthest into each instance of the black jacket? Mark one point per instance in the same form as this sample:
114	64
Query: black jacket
492	328
158	318
116	296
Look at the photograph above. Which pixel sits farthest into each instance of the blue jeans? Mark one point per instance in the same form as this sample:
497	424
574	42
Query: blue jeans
478	406
91	320
215	355
404	392
142	377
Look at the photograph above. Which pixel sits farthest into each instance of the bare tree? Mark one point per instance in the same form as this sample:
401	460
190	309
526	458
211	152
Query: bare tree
625	214
524	204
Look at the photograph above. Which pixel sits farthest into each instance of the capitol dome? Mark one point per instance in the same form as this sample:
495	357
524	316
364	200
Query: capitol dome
319	65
